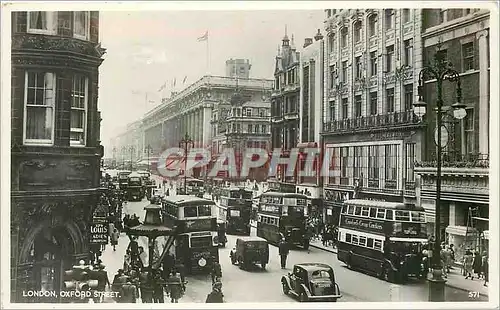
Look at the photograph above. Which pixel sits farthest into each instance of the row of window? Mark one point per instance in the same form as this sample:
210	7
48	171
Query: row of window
45	22
288	105
372	104
189	211
349	163
286	78
249	112
446	15
357	28
268	220
360	240
40	103
384	214
467	62
251	128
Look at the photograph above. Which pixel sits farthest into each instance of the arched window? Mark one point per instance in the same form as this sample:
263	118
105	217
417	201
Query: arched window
331	42
343	35
372	24
357	31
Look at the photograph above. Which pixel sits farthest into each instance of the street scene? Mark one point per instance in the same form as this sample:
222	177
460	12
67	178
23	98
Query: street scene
250	156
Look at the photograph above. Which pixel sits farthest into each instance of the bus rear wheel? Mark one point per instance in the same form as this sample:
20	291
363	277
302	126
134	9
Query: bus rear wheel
388	274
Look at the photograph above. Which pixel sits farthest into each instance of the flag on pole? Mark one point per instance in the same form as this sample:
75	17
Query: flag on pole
162	87
203	37
184	81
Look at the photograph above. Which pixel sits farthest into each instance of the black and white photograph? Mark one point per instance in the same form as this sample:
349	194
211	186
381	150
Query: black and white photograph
256	154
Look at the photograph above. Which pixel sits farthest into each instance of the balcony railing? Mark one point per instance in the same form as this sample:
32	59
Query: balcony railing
457	160
372	121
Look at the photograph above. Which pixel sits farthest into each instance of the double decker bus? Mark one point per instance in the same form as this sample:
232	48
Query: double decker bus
235	209
195	222
283	215
383	238
194	187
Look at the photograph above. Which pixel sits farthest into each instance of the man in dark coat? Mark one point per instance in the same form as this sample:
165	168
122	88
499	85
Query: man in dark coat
129	293
102	280
216	295
283	252
133	247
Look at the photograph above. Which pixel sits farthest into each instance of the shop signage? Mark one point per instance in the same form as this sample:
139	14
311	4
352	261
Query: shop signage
363	224
98	233
337	196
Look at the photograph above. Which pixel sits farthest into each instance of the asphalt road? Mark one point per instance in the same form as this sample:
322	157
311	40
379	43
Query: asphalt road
259	285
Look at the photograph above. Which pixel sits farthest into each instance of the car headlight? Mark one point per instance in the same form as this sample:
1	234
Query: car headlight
202	262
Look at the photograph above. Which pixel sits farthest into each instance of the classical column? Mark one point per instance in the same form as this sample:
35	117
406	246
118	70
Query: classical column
205	124
483	92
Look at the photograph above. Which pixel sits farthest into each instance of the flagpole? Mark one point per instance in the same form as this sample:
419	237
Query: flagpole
208	55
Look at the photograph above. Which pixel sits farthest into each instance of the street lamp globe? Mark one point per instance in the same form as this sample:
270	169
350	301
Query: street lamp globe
419	107
459	111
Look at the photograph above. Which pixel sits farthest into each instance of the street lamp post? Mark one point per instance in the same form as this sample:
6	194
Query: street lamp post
149	149
131	154
440	70
124	150
185	143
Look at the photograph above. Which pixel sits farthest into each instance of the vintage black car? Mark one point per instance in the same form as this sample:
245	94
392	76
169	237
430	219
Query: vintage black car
311	282
250	250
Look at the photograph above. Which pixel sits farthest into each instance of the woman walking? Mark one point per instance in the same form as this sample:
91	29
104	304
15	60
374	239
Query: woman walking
468	262
476	265
114	238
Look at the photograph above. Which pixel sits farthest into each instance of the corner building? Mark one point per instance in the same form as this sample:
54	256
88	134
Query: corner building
369	128
462	36
55	152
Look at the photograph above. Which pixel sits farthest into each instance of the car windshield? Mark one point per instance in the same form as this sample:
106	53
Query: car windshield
320	274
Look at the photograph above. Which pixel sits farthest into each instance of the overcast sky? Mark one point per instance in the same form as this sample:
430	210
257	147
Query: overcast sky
147	49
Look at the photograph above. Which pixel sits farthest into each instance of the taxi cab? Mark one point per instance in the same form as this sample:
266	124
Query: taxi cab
311	282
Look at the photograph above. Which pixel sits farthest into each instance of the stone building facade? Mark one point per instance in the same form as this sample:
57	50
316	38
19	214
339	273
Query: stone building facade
55	145
462	35
370	131
189	112
285	110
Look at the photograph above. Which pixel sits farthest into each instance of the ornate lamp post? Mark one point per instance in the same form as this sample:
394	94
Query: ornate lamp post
440	70
185	143
149	150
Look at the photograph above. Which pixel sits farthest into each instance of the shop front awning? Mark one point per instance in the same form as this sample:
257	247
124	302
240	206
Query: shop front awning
460	230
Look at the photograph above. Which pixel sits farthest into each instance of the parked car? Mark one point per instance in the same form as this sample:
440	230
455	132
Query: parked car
311	282
250	250
157	196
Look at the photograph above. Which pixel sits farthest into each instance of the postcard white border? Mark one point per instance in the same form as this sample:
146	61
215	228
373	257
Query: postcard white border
7	8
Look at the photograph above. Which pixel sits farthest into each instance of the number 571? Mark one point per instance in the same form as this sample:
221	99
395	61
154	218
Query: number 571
473	294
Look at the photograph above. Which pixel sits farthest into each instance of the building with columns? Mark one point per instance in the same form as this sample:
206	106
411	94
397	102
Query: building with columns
186	112
462	35
285	110
373	58
311	73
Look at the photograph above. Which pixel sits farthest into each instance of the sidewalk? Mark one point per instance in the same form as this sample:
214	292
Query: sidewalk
454	280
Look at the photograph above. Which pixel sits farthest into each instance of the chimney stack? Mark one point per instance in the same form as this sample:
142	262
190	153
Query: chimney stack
318	36
307	42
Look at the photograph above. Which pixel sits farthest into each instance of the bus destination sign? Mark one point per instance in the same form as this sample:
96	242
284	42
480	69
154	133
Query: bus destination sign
363	224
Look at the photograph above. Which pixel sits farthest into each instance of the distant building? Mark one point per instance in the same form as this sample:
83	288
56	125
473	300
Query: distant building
243	122
462	35
285	110
56	150
311	72
238	68
186	112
